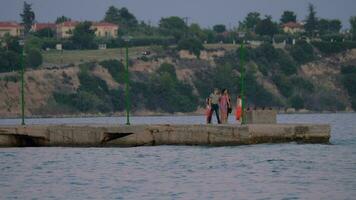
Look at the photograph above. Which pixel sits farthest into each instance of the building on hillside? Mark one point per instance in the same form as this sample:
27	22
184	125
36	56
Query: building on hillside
40	26
102	29
65	29
293	27
105	29
11	28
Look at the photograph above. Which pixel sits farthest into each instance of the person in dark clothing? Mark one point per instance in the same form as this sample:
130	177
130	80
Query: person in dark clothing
214	99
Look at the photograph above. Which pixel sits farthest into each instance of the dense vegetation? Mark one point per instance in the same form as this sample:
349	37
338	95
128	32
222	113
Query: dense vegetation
348	74
163	92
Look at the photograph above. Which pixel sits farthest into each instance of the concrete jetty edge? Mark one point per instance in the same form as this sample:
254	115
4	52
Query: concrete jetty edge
96	135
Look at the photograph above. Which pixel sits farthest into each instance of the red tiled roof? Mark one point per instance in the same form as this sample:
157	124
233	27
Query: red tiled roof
68	23
40	26
10	25
292	25
107	24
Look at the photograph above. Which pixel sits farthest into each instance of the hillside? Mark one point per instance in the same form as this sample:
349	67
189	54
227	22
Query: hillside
168	81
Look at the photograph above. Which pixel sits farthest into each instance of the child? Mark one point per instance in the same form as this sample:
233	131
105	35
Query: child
238	108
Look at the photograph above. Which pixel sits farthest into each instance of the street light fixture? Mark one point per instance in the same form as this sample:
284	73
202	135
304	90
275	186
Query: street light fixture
127	102
22	60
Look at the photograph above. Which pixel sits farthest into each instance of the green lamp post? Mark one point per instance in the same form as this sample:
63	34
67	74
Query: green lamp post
22	73
127	95
242	83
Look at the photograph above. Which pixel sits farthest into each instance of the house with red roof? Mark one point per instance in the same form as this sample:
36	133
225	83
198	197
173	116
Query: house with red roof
40	26
65	29
11	28
293	27
105	29
102	29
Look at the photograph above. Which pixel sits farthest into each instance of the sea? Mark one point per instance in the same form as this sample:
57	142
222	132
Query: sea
263	171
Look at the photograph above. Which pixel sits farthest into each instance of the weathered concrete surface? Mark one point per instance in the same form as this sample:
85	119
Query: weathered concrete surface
261	117
139	135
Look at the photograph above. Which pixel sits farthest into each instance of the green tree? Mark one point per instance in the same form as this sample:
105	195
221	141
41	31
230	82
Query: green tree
174	26
34	58
266	27
45	32
219	28
311	24
353	27
250	22
9	61
193	45
83	35
166	93
115	68
302	52
297	102
326	26
128	20
288	16
11	43
112	15
62	19
196	31
28	17
122	17
33	42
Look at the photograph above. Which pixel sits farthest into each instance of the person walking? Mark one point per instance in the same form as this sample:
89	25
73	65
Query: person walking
224	105
214	99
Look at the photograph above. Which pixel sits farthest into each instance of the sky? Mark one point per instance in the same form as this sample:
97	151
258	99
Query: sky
205	12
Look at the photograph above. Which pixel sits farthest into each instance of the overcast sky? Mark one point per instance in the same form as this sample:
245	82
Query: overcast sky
205	12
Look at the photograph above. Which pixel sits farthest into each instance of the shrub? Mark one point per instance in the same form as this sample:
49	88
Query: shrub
348	69
34	58
302	52
297	102
334	47
286	64
165	93
115	68
9	61
302	84
193	45
283	84
92	84
167	68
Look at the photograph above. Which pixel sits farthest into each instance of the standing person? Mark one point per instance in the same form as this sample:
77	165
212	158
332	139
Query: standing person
238	109
209	110
214	99
224	105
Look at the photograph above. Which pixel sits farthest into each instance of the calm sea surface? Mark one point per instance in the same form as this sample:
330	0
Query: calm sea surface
267	171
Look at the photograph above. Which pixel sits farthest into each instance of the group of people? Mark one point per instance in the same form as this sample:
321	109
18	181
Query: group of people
220	103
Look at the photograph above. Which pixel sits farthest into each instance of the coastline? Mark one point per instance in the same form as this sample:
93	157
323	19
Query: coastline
199	112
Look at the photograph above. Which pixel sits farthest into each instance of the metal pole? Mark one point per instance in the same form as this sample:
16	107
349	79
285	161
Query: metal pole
127	87
22	87
242	83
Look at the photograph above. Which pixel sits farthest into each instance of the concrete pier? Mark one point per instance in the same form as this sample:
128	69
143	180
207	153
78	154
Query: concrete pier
140	135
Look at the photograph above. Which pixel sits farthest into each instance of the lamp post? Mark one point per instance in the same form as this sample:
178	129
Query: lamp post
22	72
127	95
242	83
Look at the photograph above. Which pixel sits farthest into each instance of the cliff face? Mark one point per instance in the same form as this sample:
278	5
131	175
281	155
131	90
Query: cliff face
43	83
